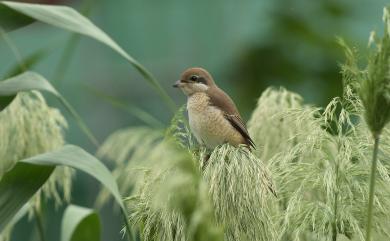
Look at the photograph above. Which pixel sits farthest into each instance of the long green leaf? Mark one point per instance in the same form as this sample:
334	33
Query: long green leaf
133	110
28	62
69	19
17	217
71	45
25	82
32	81
11	19
19	184
80	224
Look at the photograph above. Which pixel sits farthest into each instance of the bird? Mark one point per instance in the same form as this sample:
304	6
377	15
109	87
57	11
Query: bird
213	117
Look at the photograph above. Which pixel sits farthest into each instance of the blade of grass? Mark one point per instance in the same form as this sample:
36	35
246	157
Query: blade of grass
19	184
69	19
372	187
32	81
13	48
17	187
11	19
70	46
28	62
133	110
80	224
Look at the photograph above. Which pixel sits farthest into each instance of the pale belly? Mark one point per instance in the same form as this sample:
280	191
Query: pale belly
208	124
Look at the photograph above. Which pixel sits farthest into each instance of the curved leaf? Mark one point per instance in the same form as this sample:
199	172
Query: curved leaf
25	82
33	81
11	19
19	184
80	224
69	19
17	217
28	62
133	110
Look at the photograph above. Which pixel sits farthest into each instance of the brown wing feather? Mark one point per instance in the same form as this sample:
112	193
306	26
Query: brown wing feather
236	122
221	100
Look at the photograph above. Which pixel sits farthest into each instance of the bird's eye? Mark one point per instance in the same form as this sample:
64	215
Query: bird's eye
194	77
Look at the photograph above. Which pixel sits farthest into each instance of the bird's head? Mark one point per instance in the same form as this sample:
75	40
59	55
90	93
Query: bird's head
194	80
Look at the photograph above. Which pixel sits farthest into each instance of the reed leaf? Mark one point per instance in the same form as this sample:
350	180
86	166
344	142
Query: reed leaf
33	81
79	224
69	19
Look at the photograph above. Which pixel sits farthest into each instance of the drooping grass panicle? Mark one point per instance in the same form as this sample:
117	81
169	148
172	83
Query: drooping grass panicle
176	196
171	200
373	82
125	148
373	88
272	126
325	178
28	127
241	189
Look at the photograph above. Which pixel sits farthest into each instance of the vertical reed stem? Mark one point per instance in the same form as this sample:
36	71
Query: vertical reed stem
336	195
334	225
372	186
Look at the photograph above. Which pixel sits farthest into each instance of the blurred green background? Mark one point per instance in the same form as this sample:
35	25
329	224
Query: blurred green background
247	46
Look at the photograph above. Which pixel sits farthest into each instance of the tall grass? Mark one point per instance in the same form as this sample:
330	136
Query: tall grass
318	160
317	173
28	127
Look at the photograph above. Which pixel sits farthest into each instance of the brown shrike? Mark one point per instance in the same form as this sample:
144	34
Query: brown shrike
213	116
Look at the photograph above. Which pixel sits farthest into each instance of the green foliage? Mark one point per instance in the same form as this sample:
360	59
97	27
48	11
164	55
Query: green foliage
273	126
174	200
69	19
29	127
6	233
121	147
240	187
18	186
373	82
79	224
325	181
170	200
316	161
11	19
20	183
373	86
28	81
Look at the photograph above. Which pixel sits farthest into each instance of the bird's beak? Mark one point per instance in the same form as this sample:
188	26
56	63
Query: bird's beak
177	84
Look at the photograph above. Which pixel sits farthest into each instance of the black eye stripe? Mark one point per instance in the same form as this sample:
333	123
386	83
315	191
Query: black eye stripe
201	80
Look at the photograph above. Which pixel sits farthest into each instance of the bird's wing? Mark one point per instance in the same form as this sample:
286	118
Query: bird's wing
237	123
222	101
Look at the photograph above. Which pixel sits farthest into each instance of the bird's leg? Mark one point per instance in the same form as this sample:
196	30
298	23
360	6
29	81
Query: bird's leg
205	160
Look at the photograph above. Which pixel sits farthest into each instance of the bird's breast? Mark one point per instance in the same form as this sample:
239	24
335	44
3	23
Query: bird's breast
208	123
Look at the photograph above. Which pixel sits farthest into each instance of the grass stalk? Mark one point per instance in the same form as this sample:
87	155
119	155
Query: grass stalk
80	121
336	196
13	48
39	222
133	110
372	187
70	47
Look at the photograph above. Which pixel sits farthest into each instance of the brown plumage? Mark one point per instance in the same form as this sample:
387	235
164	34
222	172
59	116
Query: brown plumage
208	106
223	102
213	116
